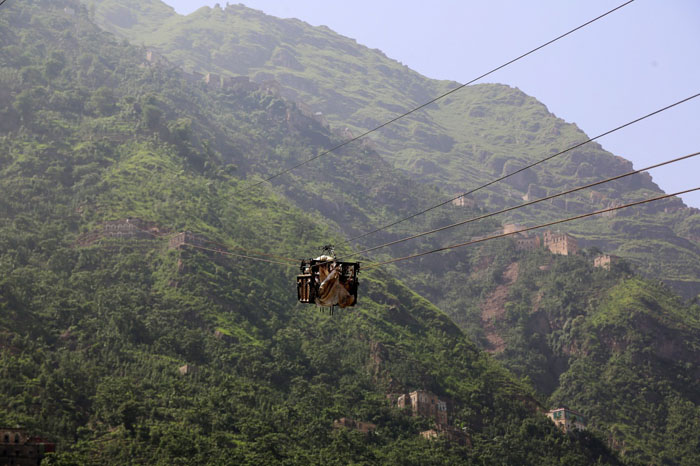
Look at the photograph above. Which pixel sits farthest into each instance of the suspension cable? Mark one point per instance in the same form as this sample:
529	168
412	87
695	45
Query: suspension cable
502	235
536	201
656	112
440	97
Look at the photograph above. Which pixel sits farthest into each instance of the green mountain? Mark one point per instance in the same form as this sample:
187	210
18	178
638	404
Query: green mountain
125	349
500	297
552	326
623	351
471	137
94	327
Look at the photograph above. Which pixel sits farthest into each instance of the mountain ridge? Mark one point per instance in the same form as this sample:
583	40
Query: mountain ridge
473	136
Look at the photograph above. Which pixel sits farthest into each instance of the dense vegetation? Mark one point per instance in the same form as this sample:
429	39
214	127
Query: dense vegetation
479	133
622	350
92	335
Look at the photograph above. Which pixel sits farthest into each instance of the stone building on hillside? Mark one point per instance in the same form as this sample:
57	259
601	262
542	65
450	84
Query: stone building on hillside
560	243
567	420
426	404
126	228
525	242
185	238
155	58
242	83
188	369
464	201
347	423
17	448
271	87
556	242
605	261
510	228
453	434
212	80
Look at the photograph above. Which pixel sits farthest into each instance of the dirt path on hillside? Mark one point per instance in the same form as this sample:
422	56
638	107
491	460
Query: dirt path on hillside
493	309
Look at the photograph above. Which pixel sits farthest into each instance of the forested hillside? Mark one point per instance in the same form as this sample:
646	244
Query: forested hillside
125	350
473	136
621	350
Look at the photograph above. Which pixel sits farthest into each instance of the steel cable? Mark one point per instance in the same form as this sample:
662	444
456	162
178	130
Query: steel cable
440	97
502	235
576	146
536	201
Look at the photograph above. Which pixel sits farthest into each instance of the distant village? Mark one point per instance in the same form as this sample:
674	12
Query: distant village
18	448
133	228
556	242
138	229
418	403
430	406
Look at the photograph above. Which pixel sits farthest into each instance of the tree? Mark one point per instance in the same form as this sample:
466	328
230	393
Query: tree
103	101
151	115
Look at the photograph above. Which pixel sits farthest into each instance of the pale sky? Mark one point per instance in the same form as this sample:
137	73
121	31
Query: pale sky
637	60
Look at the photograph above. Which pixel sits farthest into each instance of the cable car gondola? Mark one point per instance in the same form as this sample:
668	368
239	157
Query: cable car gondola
326	282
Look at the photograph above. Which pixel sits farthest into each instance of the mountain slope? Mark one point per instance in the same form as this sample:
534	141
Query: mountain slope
623	351
473	136
95	326
490	130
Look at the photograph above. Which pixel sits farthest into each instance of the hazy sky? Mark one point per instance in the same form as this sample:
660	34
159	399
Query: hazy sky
641	58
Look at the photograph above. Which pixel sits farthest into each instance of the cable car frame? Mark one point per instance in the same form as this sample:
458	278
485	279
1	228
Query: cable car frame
313	273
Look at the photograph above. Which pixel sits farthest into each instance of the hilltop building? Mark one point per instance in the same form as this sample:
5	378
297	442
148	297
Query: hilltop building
155	58
524	242
567	420
17	448
185	238
452	434
510	228
426	404
560	243
126	228
188	369
605	261
213	80
347	423
464	201
556	242
239	82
